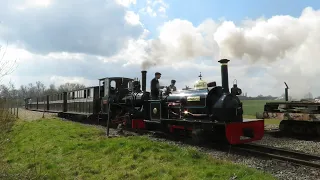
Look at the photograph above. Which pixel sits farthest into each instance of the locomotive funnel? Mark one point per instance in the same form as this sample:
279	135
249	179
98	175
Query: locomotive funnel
144	80
224	75
286	95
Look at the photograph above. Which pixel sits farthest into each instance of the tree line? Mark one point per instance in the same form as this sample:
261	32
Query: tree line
37	89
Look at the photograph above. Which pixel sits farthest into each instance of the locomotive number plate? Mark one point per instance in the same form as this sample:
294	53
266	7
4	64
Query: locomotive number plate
193	98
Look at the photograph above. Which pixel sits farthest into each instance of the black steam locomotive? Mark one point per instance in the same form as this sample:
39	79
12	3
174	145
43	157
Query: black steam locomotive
207	112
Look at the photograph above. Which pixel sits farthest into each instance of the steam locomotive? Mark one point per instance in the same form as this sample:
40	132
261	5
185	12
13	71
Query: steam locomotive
205	113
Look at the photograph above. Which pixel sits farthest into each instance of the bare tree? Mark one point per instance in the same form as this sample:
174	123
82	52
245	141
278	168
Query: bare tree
23	91
40	87
7	66
70	87
4	91
52	89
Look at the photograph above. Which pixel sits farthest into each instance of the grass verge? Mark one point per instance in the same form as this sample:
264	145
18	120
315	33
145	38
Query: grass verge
266	122
55	149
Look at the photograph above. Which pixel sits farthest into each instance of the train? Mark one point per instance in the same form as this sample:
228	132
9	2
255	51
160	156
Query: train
204	113
297	117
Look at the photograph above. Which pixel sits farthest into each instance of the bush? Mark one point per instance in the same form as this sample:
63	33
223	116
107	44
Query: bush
7	121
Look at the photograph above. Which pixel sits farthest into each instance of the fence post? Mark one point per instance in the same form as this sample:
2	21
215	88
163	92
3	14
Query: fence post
14	109
17	108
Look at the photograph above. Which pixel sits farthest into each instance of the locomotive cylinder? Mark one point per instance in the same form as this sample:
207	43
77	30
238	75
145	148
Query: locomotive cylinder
144	80
224	75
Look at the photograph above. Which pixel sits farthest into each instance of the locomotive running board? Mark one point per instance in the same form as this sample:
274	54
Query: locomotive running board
244	132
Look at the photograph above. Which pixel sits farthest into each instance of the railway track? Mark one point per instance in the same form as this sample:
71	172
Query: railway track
295	157
298	158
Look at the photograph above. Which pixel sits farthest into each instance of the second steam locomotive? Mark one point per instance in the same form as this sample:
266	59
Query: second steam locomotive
207	112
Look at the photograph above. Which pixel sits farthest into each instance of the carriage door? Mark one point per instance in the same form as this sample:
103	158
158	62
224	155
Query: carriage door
104	98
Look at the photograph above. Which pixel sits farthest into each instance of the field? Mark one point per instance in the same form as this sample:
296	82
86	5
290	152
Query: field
55	149
250	107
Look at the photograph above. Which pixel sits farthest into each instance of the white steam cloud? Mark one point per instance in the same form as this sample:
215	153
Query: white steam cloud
279	41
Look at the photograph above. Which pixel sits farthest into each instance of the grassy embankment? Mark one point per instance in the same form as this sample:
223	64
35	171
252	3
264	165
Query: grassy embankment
250	108
56	149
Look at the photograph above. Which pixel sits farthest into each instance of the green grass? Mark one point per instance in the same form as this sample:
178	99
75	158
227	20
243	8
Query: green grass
251	107
55	149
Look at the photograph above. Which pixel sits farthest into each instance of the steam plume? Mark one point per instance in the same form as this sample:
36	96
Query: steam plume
280	40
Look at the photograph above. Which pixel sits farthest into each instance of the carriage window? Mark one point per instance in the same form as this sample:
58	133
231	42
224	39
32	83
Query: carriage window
89	92
113	84
85	93
72	95
129	85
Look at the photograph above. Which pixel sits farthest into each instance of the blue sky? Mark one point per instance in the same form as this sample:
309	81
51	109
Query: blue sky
197	11
58	41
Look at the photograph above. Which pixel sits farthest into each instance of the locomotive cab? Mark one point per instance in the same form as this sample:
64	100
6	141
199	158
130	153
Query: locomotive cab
113	88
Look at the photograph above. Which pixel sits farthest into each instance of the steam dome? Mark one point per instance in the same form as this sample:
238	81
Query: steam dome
200	84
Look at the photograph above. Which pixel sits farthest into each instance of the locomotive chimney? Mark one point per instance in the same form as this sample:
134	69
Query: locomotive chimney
224	75
144	80
286	95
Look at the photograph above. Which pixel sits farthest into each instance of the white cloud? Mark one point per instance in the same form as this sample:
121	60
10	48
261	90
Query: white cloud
92	27
283	48
33	4
58	80
126	3
132	18
154	8
264	52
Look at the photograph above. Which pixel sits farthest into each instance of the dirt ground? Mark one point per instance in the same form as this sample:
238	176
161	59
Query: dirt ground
33	115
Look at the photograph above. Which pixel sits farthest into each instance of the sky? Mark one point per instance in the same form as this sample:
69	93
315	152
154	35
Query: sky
268	42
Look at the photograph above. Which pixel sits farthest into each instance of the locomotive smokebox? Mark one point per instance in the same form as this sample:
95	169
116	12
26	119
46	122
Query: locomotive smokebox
224	75
144	80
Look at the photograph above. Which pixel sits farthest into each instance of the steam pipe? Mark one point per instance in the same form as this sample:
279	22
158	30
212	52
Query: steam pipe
286	95
224	75
144	80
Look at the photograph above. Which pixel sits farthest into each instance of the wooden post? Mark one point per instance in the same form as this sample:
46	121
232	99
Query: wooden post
17	108
43	109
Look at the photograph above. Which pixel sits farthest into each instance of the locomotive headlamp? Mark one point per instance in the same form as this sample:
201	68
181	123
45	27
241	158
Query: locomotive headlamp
235	90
